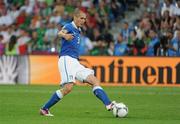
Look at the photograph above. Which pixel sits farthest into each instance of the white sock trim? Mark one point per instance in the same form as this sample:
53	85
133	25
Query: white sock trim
59	94
97	87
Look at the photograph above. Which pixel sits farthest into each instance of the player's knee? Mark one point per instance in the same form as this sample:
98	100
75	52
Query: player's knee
91	79
67	89
95	84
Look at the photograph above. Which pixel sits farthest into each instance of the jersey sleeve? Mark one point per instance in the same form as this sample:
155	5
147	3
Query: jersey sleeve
66	29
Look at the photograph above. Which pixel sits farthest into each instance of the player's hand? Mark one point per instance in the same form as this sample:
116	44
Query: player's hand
68	36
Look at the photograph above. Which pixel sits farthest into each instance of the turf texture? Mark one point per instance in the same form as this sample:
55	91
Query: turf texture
20	104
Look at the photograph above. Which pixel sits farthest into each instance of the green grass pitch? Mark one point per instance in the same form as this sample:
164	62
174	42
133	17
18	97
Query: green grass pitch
20	104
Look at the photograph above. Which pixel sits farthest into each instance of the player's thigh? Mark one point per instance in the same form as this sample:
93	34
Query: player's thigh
83	73
92	80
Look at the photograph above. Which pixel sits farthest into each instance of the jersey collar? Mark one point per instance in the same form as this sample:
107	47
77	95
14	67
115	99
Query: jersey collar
75	26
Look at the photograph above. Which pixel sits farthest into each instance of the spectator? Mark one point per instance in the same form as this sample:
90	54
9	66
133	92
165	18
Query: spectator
12	46
166	23
102	16
50	35
110	49
21	18
120	47
151	51
176	25
144	6
91	21
155	21
94	35
126	31
27	7
175	45
36	22
6	18
116	10
59	7
176	11
65	19
162	49
14	12
85	45
55	18
156	7
69	8
167	6
5	33
23	40
45	9
100	47
138	47
36	43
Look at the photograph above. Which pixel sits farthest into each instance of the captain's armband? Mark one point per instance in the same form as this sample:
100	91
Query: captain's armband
62	33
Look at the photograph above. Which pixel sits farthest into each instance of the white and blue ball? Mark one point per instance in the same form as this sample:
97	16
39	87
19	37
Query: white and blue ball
120	110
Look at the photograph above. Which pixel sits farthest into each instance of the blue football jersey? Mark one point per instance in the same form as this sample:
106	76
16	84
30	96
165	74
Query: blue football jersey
151	49
71	48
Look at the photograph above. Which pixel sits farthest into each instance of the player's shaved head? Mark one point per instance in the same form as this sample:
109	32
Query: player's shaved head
79	17
78	12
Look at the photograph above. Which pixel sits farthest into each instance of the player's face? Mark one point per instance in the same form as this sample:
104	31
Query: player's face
81	19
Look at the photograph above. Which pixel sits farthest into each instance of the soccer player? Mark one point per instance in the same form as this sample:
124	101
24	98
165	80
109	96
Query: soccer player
71	69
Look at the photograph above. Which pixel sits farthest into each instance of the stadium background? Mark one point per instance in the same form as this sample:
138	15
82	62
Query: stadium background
114	28
127	43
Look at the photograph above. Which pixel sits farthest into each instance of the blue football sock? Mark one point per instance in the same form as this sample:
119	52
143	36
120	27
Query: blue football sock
53	100
99	92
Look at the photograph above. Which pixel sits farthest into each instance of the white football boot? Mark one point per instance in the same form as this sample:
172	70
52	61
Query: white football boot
45	112
111	106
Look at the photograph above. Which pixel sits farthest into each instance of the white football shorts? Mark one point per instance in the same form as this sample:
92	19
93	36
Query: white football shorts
71	70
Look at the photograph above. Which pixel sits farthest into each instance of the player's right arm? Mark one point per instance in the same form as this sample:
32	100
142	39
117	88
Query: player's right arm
64	34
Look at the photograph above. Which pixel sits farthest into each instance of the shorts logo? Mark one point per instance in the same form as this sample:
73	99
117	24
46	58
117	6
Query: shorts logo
70	77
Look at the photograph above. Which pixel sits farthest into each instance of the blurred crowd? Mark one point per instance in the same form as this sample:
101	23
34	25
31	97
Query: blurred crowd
31	26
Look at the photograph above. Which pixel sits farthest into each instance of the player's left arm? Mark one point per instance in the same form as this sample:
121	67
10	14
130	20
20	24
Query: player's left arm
64	34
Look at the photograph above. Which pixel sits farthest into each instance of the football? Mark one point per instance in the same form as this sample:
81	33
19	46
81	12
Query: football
120	110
